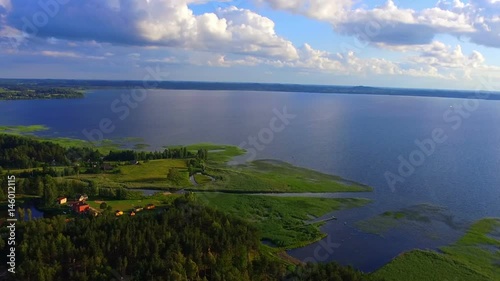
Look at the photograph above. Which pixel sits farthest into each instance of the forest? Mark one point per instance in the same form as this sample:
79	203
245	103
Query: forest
184	241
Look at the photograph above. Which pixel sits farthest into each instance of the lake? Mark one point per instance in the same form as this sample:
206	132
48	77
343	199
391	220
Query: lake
358	137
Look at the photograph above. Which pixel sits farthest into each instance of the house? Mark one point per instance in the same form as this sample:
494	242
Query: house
138	209
81	207
62	200
82	197
132	213
118	213
134	162
150	206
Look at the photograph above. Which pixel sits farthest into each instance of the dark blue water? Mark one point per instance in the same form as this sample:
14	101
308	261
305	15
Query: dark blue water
35	213
357	137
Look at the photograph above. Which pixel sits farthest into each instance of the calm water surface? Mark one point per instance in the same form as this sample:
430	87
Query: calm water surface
358	137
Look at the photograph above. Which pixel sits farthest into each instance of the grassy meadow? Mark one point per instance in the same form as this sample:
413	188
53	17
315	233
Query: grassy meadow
202	179
281	220
277	176
128	205
151	174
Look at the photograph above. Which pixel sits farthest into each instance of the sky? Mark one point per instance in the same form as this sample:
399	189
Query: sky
448	44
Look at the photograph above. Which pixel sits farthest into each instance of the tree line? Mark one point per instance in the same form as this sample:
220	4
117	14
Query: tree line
168	153
21	152
49	188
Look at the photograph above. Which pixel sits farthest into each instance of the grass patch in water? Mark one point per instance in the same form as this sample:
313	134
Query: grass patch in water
419	215
281	220
20	130
277	176
474	257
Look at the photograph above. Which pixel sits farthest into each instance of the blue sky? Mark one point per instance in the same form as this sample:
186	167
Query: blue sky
449	44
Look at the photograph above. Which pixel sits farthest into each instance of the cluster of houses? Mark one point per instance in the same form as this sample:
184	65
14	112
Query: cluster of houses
135	210
80	206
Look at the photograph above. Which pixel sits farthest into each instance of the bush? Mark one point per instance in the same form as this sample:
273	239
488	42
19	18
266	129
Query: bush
175	176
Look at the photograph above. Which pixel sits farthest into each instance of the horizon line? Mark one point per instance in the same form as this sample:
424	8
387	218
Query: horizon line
250	83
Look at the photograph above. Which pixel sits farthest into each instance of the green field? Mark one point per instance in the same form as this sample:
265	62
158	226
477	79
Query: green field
202	179
15	171
281	220
129	205
150	174
476	256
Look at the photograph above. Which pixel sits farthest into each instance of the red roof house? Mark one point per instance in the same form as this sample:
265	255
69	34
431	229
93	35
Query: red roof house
81	207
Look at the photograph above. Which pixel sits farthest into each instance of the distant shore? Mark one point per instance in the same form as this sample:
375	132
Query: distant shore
266	87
